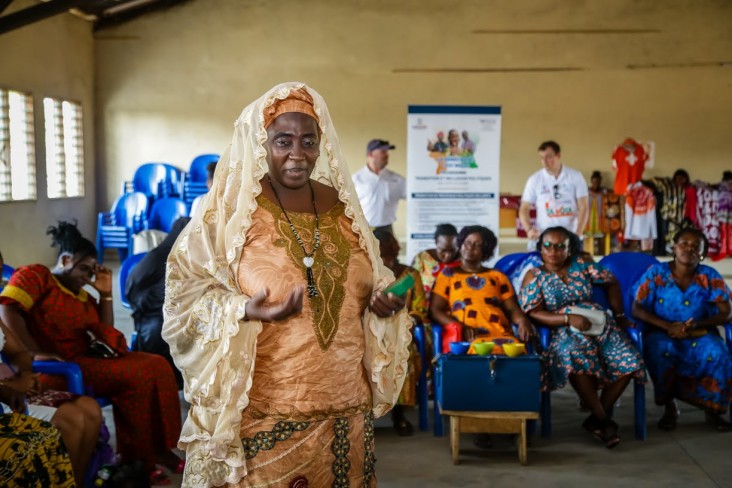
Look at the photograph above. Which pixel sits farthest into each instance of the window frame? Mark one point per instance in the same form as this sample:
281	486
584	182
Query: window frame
31	152
82	150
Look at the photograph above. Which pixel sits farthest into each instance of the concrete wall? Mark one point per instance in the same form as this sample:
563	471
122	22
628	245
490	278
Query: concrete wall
170	84
54	57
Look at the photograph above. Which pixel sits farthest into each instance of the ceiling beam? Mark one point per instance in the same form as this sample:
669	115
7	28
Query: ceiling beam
35	13
4	4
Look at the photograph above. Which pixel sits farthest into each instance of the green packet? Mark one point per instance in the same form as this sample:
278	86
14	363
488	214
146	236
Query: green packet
401	286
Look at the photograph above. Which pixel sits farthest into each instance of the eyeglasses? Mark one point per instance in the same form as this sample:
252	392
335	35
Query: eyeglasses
559	246
556	191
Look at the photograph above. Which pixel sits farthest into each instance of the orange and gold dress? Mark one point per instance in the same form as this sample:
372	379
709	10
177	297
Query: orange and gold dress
302	427
475	300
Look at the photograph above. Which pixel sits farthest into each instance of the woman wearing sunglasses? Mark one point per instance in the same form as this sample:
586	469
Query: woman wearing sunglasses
558	294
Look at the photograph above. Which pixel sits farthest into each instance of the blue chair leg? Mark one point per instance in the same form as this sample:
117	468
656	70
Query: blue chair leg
437	429
424	416
546	414
639	392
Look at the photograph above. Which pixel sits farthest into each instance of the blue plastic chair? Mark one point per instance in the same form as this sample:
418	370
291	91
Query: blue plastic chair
124	271
158	180
509	262
192	190
7	272
197	172
165	212
422	395
116	228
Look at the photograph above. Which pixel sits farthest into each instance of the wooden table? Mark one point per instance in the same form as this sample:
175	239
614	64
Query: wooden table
490	423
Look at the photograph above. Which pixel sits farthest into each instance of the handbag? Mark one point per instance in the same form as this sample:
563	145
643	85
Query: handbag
99	349
598	319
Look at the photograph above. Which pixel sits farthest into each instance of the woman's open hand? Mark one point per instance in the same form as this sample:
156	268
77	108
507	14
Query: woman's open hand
258	309
103	281
385	304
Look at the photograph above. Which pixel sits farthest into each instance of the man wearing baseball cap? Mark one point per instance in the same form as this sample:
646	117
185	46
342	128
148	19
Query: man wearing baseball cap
378	188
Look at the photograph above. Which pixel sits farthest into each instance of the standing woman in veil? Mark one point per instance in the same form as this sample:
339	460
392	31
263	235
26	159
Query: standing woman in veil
276	312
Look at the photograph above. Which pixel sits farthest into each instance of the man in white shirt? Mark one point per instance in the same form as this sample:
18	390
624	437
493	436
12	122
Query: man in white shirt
379	189
559	194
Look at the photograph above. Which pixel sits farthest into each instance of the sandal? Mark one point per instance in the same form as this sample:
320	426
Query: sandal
610	434
594	427
668	421
716	421
159	478
403	428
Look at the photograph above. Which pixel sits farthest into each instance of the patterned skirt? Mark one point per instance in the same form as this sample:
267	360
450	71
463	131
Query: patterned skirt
608	357
32	454
696	371
336	453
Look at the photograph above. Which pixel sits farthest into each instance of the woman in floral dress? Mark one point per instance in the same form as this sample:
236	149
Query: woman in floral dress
606	361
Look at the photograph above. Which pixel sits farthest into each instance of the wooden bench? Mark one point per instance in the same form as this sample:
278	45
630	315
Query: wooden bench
490	423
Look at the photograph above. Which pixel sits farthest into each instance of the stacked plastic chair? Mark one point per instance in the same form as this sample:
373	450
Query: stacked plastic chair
158	180
165	212
116	228
195	184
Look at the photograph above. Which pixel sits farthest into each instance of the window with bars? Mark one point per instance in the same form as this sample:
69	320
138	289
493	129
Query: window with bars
17	147
64	148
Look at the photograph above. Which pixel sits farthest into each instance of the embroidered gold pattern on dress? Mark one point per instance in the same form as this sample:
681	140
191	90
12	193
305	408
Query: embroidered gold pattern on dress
330	267
369	468
309	416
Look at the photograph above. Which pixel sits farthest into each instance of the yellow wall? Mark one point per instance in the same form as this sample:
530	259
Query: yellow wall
170	85
54	57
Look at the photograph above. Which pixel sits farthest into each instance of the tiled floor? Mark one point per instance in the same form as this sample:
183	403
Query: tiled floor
692	456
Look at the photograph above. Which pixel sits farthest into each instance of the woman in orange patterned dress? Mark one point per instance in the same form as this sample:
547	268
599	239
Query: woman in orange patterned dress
479	299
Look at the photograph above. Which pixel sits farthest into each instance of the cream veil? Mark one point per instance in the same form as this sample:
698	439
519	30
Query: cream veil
212	347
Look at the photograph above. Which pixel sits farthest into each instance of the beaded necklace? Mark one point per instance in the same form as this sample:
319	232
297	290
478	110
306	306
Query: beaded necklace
308	258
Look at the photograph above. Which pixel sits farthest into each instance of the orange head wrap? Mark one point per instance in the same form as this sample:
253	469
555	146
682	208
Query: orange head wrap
297	101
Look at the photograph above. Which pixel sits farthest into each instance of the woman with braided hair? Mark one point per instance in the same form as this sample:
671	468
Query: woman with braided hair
52	316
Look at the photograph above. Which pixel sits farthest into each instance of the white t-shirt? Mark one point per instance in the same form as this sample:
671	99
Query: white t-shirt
555	199
379	194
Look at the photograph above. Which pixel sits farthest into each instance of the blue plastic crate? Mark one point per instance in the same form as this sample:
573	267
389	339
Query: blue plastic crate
489	383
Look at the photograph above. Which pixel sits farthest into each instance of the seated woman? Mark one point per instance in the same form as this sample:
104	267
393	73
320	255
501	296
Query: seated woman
145	291
477	298
78	418
48	311
606	361
417	308
430	262
31	451
683	301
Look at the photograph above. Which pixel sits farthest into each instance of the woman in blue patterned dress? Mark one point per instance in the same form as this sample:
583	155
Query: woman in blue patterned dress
604	362
684	301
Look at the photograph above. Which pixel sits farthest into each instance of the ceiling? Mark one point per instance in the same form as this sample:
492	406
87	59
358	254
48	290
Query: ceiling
103	13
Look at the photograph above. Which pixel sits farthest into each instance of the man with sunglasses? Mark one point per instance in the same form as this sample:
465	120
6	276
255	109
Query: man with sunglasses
559	194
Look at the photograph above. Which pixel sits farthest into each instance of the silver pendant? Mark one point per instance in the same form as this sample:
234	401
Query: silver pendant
308	261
